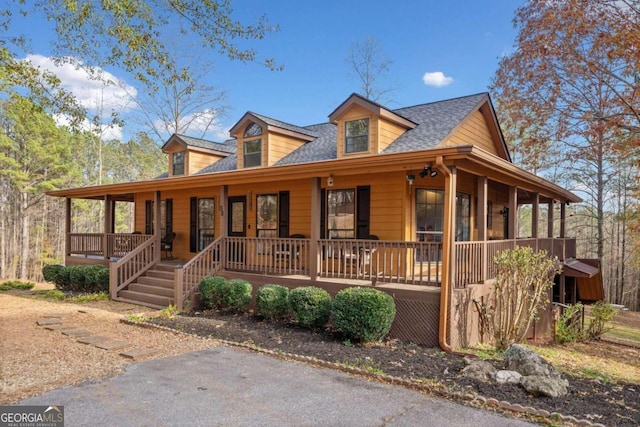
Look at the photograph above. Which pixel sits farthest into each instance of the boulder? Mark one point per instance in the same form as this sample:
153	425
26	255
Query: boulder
540	385
479	370
521	359
507	377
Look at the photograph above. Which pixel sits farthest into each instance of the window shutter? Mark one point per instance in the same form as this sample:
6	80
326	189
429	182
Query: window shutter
283	214
148	217
363	212
193	225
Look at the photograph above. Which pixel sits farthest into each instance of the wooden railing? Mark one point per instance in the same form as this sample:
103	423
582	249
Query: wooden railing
92	244
87	244
131	266
381	260
267	255
187	277
118	245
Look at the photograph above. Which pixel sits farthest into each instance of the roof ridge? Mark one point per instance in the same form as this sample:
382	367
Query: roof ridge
442	100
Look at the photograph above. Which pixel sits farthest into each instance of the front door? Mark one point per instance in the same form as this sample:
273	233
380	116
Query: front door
237	223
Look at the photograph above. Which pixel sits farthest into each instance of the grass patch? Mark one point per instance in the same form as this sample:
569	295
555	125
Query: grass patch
624	333
16	284
136	318
50	294
97	296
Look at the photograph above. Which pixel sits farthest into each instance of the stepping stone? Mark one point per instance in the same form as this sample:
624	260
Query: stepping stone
76	333
112	345
95	339
43	322
59	327
137	353
54	315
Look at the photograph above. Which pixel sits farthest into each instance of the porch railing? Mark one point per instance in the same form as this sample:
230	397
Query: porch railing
381	260
125	270
87	244
188	276
268	255
117	244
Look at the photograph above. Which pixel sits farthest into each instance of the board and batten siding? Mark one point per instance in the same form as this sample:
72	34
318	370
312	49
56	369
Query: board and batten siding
474	131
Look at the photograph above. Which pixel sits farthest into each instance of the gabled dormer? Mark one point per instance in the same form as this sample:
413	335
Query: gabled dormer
188	155
262	141
365	127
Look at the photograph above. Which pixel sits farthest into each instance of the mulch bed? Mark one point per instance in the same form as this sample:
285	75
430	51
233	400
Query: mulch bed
593	400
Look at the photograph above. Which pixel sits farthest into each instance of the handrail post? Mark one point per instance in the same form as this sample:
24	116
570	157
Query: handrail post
113	280
178	287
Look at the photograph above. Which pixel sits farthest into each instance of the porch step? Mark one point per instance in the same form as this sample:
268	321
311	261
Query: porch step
155	281
151	300
152	290
164	267
160	274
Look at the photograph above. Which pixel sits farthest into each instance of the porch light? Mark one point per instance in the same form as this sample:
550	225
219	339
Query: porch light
330	181
410	178
428	171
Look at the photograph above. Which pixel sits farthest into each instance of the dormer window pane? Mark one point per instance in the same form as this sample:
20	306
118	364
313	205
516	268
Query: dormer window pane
252	130
178	163
357	136
252	153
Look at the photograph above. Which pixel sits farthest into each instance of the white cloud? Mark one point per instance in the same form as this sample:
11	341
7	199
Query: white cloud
105	95
437	78
105	132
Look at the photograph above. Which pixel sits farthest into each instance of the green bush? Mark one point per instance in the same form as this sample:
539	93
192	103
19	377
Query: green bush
310	306
16	284
238	295
96	278
63	278
212	291
601	313
271	302
569	326
50	272
363	314
78	278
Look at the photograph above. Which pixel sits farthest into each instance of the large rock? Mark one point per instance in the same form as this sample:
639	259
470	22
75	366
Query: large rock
479	370
539	385
507	377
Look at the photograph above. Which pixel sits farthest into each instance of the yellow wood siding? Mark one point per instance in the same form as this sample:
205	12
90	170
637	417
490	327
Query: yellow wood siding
196	161
388	133
280	146
474	131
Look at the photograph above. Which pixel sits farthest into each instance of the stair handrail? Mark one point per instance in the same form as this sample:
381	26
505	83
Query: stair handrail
188	276
131	266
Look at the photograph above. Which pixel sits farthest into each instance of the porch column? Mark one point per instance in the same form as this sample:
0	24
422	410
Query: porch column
449	229
563	217
314	254
106	227
67	227
513	213
481	222
535	216
223	197
550	214
156	226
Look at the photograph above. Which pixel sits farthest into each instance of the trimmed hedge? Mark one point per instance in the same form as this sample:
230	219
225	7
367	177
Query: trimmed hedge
271	302
212	291
363	314
310	306
78	278
238	296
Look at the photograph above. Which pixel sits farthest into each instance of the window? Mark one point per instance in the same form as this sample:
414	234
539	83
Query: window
252	153
206	222
252	130
178	163
267	215
341	214
166	217
430	215
356	136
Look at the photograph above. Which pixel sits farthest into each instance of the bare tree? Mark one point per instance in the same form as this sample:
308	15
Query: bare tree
370	67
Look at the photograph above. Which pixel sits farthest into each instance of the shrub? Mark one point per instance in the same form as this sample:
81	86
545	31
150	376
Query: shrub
96	278
601	313
363	314
212	291
50	272
237	296
311	306
271	302
78	277
569	326
63	279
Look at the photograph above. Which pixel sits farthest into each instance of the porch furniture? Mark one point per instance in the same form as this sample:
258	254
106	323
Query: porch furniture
167	245
360	255
287	252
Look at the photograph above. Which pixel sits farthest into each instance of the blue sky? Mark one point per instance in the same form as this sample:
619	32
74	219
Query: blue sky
462	40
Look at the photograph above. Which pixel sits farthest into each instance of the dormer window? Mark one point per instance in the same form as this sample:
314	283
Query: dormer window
178	163
252	153
356	136
252	130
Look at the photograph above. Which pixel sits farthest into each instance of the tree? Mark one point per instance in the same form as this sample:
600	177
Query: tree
371	68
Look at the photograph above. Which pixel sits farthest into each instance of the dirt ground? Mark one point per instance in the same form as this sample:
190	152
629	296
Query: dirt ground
34	360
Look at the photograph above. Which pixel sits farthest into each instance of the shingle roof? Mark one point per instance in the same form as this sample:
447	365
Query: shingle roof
209	145
434	120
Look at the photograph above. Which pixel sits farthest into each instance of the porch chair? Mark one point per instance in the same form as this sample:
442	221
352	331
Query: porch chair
286	251
167	245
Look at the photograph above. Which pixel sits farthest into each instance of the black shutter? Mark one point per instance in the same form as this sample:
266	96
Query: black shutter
283	214
363	212
168	216
193	225
323	213
148	217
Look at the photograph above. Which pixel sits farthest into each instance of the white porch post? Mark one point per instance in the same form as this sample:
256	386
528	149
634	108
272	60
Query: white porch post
314	253
481	221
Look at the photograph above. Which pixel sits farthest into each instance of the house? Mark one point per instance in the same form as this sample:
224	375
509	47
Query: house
415	201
